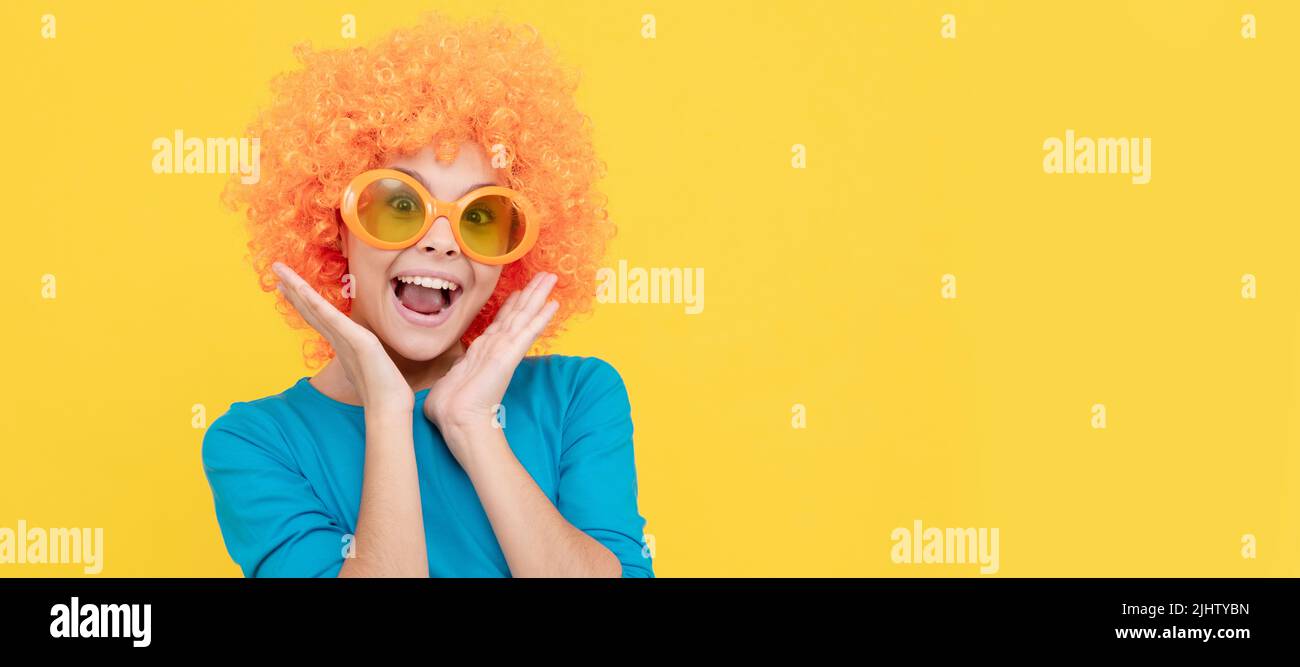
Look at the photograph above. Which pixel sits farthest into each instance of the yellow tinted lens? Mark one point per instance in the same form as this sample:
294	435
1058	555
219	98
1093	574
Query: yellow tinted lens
391	210
492	225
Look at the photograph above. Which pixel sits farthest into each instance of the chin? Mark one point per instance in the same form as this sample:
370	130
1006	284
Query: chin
419	343
419	348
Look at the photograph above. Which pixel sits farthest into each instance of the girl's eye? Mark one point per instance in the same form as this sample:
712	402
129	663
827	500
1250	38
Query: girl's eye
478	216
403	204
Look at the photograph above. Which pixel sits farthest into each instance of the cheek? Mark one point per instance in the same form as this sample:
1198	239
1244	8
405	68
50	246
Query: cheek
369	289
485	282
368	273
366	264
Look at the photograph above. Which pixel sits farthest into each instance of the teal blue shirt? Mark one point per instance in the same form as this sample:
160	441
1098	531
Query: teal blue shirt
286	473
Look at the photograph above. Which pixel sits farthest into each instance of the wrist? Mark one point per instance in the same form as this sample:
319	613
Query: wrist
467	431
474	445
389	408
389	399
461	420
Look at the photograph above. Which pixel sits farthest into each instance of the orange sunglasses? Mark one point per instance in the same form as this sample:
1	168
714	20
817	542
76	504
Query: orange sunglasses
390	210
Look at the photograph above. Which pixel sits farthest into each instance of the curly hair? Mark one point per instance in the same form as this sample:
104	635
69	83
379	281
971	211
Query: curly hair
437	84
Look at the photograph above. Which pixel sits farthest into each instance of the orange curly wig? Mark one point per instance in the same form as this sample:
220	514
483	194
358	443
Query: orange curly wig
440	83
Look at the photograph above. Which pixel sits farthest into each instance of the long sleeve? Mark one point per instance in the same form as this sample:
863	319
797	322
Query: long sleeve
597	490
272	522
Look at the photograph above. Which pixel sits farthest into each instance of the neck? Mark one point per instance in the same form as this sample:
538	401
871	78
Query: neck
422	374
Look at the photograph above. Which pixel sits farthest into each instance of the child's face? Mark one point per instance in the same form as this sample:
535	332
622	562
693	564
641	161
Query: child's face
416	321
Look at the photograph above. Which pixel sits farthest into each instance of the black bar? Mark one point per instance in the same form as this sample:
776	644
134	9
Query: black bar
934	613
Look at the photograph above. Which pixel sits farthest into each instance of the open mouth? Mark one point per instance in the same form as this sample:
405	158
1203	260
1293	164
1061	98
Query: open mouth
425	295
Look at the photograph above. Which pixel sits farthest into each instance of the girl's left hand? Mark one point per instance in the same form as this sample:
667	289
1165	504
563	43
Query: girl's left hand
467	397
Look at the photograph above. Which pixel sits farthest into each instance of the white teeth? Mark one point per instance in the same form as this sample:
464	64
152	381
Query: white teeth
429	282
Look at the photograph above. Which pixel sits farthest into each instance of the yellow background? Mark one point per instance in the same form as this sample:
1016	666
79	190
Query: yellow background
822	284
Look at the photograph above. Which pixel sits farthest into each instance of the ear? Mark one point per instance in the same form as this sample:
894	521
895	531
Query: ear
344	239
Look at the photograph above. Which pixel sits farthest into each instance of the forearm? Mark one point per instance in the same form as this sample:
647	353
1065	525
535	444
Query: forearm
389	541
536	539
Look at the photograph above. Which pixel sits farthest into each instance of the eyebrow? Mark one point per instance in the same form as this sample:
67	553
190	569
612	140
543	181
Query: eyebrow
416	175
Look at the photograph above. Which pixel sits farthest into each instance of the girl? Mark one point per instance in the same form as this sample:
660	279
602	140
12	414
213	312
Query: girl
427	206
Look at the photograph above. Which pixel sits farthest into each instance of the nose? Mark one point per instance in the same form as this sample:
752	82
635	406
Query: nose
439	240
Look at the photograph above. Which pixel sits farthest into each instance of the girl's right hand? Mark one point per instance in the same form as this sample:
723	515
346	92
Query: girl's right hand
367	365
